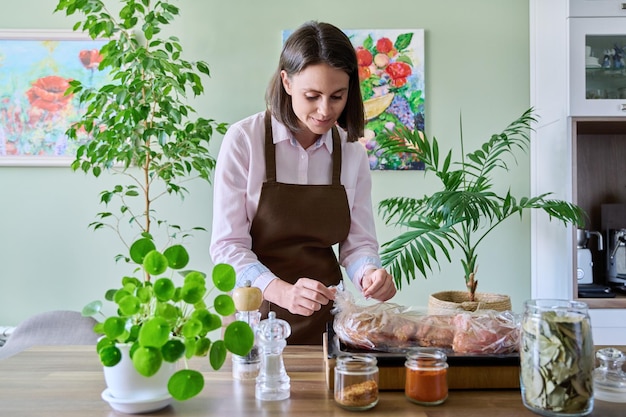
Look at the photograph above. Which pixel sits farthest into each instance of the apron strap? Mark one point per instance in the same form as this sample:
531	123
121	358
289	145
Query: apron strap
336	157
270	155
270	158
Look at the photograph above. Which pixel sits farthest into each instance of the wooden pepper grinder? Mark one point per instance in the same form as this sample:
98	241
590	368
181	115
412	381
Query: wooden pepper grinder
247	301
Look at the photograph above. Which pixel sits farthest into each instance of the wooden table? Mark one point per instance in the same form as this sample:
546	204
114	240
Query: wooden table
66	381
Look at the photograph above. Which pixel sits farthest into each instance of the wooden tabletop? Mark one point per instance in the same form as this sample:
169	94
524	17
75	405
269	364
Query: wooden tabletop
66	381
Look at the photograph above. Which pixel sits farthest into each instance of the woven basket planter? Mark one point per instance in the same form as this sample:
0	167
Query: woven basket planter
459	300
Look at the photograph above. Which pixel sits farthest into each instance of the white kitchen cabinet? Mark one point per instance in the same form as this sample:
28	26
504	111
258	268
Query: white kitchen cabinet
558	94
597	66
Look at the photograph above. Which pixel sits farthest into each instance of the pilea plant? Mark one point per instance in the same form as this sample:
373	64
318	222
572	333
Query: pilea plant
140	127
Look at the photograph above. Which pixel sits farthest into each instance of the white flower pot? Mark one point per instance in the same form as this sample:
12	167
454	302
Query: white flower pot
125	383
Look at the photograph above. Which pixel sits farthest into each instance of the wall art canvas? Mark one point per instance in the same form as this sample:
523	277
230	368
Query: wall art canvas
391	74
35	70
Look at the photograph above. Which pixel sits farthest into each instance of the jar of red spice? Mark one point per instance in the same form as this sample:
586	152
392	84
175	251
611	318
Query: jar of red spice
426	376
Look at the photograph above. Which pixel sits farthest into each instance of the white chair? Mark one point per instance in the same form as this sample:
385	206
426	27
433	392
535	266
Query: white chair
57	327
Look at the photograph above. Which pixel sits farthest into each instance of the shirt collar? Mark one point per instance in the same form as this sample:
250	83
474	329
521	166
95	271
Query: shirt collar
280	133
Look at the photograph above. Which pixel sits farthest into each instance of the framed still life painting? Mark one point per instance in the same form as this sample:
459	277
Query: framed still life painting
391	75
35	70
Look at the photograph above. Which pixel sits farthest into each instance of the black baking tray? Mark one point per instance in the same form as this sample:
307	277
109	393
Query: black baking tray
397	358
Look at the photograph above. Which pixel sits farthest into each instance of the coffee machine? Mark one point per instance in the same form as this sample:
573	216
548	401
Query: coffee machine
584	272
616	256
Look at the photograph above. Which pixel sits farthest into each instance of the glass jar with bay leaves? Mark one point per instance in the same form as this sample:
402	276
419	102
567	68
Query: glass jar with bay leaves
557	358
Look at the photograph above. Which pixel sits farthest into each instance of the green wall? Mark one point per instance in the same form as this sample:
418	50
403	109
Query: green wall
477	64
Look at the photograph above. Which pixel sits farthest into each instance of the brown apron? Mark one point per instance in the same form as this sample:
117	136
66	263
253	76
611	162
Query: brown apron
293	232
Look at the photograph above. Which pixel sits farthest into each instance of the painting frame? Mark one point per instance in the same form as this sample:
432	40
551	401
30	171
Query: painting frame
36	66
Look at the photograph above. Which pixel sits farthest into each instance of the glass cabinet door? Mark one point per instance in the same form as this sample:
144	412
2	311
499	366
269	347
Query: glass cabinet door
597	66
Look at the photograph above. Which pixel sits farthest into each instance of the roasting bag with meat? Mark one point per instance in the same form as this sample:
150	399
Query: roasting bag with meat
389	327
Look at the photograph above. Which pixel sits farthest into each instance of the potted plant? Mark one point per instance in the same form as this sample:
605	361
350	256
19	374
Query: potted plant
140	127
466	208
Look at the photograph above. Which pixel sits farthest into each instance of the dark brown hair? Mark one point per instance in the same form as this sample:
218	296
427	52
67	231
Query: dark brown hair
317	43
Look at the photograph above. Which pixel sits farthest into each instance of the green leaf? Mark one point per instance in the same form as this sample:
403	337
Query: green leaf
104	342
110	355
185	384
114	327
155	263
190	347
169	312
92	309
202	347
192	328
193	292
203	68
144	294
129	305
140	248
164	289
224	305
194	276
154	332
173	350
224	277
238	338
177	256
119	294
130	283
209	321
217	354
110	295
147	360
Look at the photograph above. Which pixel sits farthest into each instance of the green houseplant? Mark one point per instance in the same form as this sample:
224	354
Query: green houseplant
467	207
140	127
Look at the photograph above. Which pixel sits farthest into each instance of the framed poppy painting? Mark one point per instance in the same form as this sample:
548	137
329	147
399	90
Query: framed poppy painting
391	77
35	70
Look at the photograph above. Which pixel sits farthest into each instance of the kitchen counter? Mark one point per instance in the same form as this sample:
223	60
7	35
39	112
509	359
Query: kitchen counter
66	381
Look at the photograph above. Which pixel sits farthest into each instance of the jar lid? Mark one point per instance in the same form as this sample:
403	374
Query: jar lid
609	378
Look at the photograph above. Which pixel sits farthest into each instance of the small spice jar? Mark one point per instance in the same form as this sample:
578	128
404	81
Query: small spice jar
426	376
356	381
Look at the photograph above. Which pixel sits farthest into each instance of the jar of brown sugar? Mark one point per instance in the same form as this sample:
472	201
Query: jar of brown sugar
426	376
356	381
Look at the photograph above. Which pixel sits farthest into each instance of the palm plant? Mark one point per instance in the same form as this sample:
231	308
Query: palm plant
466	209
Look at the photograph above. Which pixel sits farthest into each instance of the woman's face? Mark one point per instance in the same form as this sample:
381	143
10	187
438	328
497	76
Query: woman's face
318	94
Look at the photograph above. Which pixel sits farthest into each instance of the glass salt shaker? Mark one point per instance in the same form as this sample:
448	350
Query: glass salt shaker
426	376
247	301
609	378
356	381
272	383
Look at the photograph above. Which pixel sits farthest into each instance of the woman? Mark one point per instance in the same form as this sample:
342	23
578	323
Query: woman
290	184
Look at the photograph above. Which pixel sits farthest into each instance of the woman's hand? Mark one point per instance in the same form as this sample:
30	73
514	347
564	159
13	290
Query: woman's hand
378	284
304	298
